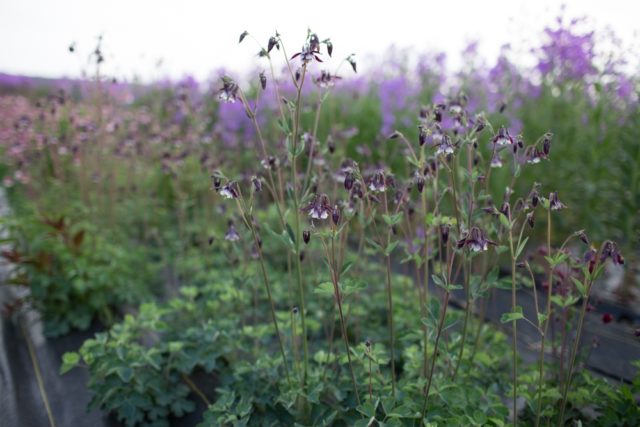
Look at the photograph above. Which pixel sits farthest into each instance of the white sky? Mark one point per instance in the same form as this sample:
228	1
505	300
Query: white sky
196	37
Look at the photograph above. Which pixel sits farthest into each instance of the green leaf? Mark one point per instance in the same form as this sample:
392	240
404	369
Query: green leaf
125	373
69	361
513	316
324	288
504	221
579	286
521	247
392	220
390	247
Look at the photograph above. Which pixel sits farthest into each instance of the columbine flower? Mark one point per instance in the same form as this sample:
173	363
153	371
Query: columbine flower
475	240
270	163
326	79
610	250
445	146
306	236
377	182
310	50
319	208
229	191
502	138
273	42
232	234
496	161
554	203
229	91
257	184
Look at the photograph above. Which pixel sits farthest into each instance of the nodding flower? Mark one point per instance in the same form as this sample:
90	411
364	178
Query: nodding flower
335	214
496	160
610	250
502	138
326	79
270	163
531	219
377	182
546	144
229	191
229	91
217	182
319	207
349	180
263	80
273	42
419	181
257	184
475	240
232	234
445	146
554	203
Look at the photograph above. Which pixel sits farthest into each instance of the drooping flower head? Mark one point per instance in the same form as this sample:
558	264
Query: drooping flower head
319	207
475	240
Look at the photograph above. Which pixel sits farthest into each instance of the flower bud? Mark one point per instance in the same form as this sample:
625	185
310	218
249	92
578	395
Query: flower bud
335	215
306	236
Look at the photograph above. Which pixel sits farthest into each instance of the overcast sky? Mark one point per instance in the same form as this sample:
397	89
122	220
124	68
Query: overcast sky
197	37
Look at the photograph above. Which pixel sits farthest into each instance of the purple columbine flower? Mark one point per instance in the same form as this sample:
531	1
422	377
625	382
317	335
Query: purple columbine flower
232	234
475	240
319	207
496	161
229	191
445	146
229	91
502	138
377	182
270	163
610	250
554	203
326	79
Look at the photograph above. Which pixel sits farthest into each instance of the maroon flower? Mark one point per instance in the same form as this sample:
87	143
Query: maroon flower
475	240
229	191
554	203
232	234
502	138
607	318
229	91
319	207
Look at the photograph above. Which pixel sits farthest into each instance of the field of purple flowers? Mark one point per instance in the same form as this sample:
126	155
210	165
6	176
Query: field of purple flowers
308	245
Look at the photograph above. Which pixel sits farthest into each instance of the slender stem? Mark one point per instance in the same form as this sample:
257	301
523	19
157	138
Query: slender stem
195	389
296	213
338	298
265	279
390	308
515	330
546	322
467	312
36	369
576	345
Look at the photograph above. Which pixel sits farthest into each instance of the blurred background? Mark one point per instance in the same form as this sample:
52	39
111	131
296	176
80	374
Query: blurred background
151	40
